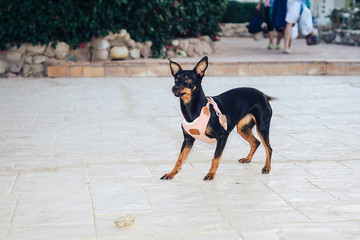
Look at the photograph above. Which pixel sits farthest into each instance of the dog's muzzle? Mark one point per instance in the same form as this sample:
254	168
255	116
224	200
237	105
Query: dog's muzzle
177	91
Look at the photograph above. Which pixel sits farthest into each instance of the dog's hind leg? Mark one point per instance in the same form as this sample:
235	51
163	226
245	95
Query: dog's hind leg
244	128
262	122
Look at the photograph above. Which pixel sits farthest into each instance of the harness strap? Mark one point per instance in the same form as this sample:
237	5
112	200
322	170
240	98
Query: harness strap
222	117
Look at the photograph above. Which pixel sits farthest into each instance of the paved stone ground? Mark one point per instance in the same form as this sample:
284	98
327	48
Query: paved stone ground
75	154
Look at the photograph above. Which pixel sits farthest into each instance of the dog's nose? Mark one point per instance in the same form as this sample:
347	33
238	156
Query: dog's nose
176	88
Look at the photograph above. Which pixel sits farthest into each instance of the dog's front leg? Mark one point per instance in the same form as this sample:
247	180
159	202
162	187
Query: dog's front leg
185	150
220	145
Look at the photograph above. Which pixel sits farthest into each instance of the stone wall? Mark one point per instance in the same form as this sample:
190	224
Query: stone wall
234	30
345	37
32	61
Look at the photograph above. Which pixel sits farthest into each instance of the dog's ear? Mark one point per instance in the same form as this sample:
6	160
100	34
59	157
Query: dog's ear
175	67
201	66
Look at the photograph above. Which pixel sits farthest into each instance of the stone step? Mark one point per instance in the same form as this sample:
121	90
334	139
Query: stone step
160	68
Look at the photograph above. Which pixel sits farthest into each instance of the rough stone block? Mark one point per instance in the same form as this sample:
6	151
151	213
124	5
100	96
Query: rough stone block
37	68
3	66
61	50
39	59
13	56
35	50
16	67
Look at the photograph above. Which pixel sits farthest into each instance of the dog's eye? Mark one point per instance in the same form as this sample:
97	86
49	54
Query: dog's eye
188	80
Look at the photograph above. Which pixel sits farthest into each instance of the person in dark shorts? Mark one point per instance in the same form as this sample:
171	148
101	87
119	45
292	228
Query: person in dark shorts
270	28
279	9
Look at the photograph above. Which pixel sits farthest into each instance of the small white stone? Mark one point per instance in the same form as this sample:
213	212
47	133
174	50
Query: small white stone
119	52
3	66
61	50
101	54
135	53
148	44
181	53
131	43
28	59
175	43
122	33
138	45
125	221
102	44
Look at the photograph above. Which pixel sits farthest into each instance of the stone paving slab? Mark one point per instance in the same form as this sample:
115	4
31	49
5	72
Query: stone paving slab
75	154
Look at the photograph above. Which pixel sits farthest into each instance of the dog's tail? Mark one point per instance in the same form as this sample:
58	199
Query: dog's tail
269	98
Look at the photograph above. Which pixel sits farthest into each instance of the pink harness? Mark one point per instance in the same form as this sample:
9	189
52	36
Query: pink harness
197	128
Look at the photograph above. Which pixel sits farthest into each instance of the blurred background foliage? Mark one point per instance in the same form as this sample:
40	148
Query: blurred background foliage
75	22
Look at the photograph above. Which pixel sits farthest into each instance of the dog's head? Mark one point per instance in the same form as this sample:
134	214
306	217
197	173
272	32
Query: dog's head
187	82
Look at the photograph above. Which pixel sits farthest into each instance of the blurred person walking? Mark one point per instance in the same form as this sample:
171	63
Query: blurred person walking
278	19
294	10
268	21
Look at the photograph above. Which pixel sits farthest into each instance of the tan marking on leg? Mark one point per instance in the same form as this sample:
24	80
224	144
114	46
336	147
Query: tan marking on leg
249	137
245	120
185	152
214	166
267	167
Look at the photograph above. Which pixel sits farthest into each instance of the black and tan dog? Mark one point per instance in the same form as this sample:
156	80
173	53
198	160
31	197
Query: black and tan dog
212	119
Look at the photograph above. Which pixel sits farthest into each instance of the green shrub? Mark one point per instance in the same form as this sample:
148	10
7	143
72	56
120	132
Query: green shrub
239	12
75	22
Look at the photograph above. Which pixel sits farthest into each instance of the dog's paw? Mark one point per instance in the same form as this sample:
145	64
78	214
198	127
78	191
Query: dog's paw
245	160
167	176
265	170
209	176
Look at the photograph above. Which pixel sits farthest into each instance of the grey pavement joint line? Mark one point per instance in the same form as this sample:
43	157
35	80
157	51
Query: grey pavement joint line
14	182
308	170
287	203
147	197
309	181
217	209
98	126
7	231
54	147
92	201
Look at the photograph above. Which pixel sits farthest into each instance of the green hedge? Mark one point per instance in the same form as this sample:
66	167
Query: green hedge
239	12
75	22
